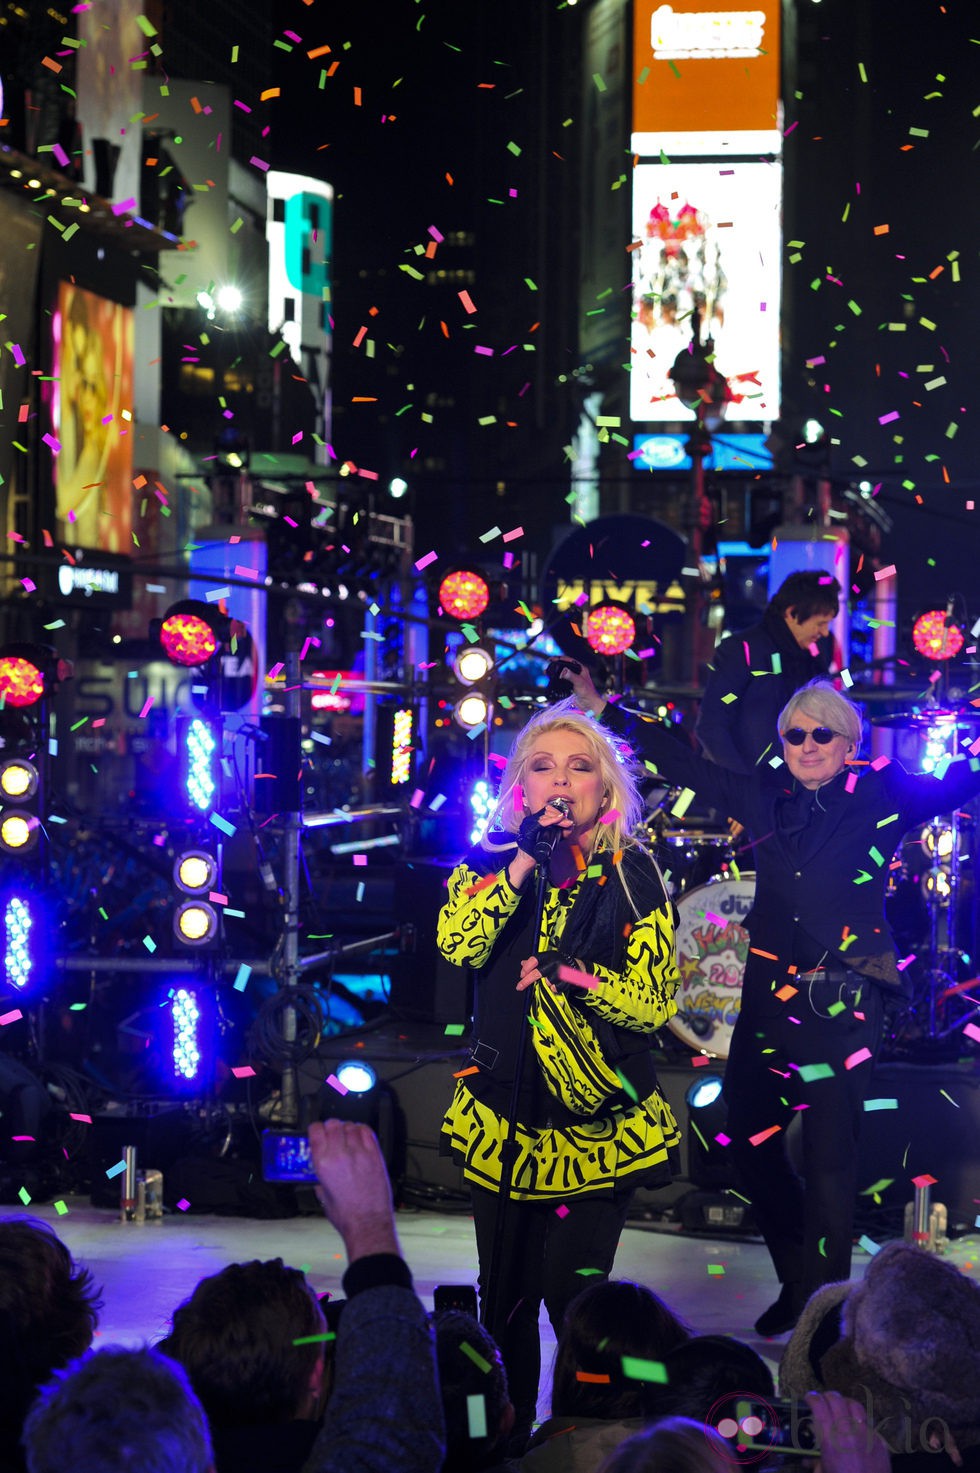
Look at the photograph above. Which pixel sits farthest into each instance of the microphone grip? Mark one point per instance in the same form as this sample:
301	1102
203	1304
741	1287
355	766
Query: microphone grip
546	840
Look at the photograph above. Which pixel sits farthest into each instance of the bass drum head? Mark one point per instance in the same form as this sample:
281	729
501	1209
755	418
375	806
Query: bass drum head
712	949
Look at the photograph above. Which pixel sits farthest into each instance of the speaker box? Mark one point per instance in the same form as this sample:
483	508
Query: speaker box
424	986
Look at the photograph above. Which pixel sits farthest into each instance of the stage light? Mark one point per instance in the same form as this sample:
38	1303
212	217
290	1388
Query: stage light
935	637
18	959
402	733
397	488
471	711
356	1077
186	1048
19	831
22	682
708	1165
463	594
199	755
481	806
937	841
472	664
19	779
195	923
935	745
191	632
195	872
609	629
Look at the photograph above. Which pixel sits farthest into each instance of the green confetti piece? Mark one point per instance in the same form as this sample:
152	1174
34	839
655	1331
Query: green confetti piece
882	1104
949	1097
599	83
475	1357
877	856
635	1369
476	1416
716	1269
148	29
586	1271
315	1339
61	1208
822	1247
150	944
515	149
883	822
809	1072
629	1090
24	1196
877	1187
455	1029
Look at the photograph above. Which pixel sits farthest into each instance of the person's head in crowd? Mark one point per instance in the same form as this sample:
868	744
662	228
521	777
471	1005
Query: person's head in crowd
602	1325
49	1309
475	1399
705	1370
908	1347
236	1339
616	791
118	1411
833	719
809	603
675	1445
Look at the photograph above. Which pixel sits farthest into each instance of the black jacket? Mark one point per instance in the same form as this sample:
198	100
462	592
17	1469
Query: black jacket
761	667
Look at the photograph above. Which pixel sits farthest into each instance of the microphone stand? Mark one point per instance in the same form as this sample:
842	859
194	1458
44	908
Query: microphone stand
508	1144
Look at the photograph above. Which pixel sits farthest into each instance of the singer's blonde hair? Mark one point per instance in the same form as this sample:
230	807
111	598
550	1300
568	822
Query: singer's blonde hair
615	765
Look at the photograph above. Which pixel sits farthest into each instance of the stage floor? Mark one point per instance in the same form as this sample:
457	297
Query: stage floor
718	1286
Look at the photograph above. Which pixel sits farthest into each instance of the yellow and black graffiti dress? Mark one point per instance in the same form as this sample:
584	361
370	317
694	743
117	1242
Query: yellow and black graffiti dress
591	1117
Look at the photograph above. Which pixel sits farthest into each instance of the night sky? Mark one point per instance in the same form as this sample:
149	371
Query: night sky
882	132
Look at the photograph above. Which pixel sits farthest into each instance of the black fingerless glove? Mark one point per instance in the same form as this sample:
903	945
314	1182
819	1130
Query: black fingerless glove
527	834
550	961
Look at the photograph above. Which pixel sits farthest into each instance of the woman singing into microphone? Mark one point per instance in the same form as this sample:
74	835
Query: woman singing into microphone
590	1124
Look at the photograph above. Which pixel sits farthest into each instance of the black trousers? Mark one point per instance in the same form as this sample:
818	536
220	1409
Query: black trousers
808	1225
546	1249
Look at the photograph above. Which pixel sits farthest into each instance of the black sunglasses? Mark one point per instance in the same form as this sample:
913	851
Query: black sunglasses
822	735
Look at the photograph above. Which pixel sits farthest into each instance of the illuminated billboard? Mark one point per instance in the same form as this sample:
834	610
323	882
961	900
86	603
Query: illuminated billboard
706	78
91	434
706	236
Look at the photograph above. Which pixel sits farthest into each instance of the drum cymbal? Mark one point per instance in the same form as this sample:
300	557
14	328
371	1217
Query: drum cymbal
936	716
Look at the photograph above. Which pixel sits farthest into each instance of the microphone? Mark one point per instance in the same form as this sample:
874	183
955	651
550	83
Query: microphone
546	840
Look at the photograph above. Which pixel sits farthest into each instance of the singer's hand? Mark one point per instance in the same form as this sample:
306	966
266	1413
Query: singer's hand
583	687
544	968
545	818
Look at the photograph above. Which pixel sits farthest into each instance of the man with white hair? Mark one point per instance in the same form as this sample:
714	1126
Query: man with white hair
820	964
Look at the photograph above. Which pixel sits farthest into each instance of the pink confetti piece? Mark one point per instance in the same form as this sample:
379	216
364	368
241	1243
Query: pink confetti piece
610	817
52	443
424	562
360	858
60	155
244	1072
123	206
416	799
561	1211
18	354
925	1180
577	978
241	572
146	707
858	1057
723	1139
886	419
335	1083
6	1018
467	301
888	572
879	763
84	1119
28	584
183	1205
850	782
509	536
972	1031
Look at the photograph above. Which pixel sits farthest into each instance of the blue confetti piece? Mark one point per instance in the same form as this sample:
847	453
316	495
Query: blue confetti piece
241	979
222	824
869	1245
116	1170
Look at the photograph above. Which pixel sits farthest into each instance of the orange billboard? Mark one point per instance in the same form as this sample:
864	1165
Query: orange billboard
703	71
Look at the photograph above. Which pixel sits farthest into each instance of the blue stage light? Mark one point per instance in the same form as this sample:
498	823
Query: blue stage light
481	806
201	753
187	1036
357	1078
18	958
704	1092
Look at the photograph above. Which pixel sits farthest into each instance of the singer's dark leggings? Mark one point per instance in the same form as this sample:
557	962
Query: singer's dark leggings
545	1257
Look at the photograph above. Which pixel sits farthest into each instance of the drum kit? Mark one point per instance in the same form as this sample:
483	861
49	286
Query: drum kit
712	896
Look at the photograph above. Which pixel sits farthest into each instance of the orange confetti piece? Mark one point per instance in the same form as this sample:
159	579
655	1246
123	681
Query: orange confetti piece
51	64
318	51
462	1073
756	1140
594	1378
467	301
357	96
785	993
882	229
769	955
270	92
483	884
